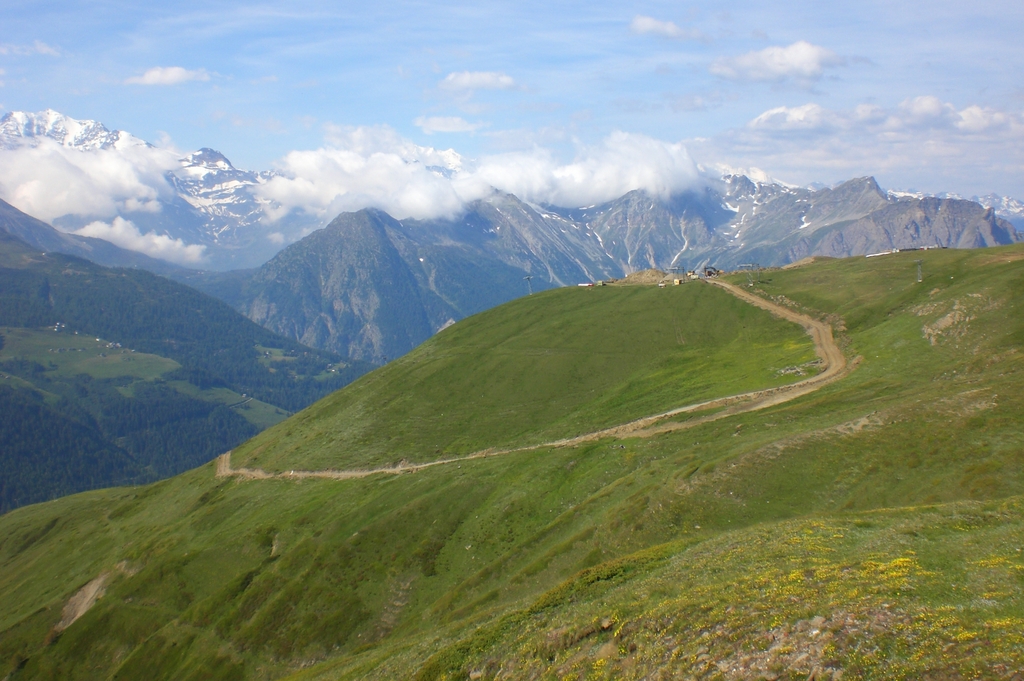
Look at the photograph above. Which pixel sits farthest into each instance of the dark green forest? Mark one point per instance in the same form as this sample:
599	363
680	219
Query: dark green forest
215	345
61	434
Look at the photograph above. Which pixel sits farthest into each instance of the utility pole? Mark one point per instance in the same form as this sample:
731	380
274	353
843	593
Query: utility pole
919	277
529	286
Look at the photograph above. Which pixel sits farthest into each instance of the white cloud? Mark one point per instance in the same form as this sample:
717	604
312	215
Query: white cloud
477	80
806	117
432	124
37	47
167	75
620	163
924	108
977	119
922	141
666	29
48	180
382	139
125	234
800	61
364	167
376	167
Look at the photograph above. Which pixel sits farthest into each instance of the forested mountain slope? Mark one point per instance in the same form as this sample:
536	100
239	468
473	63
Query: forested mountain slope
112	376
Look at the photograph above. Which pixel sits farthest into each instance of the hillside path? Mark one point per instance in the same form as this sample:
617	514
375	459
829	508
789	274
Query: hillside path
832	358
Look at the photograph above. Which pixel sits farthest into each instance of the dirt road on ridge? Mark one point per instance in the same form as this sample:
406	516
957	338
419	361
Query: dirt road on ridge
825	346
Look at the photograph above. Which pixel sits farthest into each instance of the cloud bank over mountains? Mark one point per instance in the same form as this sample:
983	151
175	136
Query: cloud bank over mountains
48	180
260	83
376	167
125	234
52	167
356	167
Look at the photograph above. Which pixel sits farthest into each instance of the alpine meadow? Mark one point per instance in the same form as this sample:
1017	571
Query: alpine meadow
869	528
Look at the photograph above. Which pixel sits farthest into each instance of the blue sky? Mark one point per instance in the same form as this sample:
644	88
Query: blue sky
923	95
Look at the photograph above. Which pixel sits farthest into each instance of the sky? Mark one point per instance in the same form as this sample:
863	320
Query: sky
564	102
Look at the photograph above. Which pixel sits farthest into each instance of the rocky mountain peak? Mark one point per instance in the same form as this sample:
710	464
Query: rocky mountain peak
208	158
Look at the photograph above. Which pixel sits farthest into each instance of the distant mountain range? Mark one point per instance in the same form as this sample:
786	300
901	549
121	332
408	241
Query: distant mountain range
372	287
209	202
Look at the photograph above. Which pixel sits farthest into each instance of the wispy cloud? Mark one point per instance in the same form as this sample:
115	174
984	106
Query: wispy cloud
478	80
806	117
432	124
37	47
800	61
666	29
920	141
168	75
924	113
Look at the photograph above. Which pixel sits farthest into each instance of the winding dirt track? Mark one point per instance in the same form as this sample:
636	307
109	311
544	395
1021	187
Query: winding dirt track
835	367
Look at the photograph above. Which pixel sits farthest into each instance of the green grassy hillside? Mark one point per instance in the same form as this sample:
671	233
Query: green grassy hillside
873	527
552	365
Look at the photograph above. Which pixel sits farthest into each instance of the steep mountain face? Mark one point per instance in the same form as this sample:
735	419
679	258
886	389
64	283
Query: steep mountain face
536	242
915	224
741	221
218	190
1008	208
1005	207
372	287
345	287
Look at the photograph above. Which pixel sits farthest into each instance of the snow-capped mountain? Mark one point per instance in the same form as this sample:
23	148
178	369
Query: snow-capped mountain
18	128
200	198
1006	207
199	202
222	193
